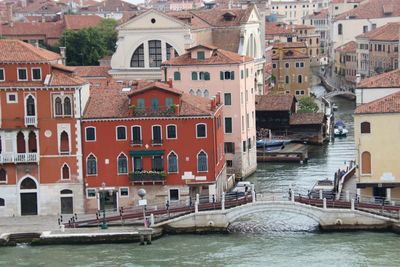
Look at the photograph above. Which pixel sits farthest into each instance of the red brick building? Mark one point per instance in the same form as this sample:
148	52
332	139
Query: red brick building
40	142
154	137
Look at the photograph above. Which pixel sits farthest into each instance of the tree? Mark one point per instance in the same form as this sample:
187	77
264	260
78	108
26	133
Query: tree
307	105
88	45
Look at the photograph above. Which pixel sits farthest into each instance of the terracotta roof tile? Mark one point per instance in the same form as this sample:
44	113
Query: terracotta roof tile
20	29
385	80
388	32
306	118
321	14
215	17
219	56
349	47
273	28
92	71
387	104
111	5
63	78
40	6
373	9
18	51
159	85
77	22
274	102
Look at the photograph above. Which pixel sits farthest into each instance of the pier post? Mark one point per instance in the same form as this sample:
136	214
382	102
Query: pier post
320	194
352	204
197	198
348	196
253	196
223	201
196	207
151	219
292	196
324	203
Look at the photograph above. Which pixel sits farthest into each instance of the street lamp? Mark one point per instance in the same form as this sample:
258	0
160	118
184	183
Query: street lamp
103	200
143	202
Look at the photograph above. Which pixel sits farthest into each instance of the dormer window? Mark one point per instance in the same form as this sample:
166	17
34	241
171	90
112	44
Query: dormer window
229	16
200	55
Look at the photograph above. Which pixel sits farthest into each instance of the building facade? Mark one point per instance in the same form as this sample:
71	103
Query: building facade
41	158
206	71
346	62
158	138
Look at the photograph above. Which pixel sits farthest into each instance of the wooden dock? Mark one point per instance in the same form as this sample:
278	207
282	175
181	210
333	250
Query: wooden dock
290	153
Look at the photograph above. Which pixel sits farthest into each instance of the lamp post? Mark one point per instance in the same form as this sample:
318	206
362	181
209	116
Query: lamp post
143	202
103	200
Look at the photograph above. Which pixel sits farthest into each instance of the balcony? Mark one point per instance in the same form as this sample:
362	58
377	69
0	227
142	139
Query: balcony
155	112
157	142
147	176
30	121
19	158
136	142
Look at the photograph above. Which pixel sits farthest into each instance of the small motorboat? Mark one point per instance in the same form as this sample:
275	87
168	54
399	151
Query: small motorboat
327	188
339	129
271	143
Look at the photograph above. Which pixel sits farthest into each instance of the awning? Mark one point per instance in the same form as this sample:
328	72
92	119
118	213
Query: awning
381	185
141	153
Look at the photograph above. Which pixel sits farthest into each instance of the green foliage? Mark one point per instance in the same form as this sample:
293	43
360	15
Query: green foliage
88	45
307	105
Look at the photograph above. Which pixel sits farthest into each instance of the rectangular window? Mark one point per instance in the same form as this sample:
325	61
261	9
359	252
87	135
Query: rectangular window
12	98
274	65
229	147
155	56
124	191
90	193
201	130
157	138
247	73
90	134
22	74
121	133
157	164
244	146
227	99
241	74
229	163
169	102
136	135
247	121
228	125
2	76
194	76
365	29
171	132
36	74
173	194
177	76
200	55
137	164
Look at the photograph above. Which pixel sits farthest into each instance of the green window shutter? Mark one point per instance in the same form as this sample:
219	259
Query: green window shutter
177	76
200	55
207	76
194	76
241	74
221	75
247	73
232	75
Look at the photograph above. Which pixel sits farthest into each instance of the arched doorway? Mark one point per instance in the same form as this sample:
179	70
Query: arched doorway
28	195
67	203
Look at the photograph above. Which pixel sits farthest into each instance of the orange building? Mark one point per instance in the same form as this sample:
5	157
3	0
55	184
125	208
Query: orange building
40	142
154	137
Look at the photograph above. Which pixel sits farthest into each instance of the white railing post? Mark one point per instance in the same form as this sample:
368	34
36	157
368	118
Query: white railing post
196	207
253	196
223	201
292	196
197	198
152	219
348	196
352	204
320	194
324	203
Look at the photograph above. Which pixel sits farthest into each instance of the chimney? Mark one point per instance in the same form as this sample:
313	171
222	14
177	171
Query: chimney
63	55
213	103
43	19
169	82
218	98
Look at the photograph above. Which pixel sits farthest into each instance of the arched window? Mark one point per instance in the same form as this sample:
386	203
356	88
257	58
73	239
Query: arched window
202	165
30	106
32	145
155	55
66	192
191	92
287	79
340	29
91	165
365	127
64	143
21	148
67	106
3	175
299	79
28	183
366	163
65	172
122	164
201	130
172	162
137	60
198	93
169	49
58	106
206	94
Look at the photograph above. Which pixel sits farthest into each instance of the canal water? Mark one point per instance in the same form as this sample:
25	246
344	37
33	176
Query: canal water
264	239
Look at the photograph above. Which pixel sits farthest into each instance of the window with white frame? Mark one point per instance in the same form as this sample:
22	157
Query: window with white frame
136	135
90	133
121	132
171	132
124	191
12	98
201	130
65	172
174	195
91	165
91	193
62	105
36	74
122	164
22	74
202	165
2	75
3	175
172	163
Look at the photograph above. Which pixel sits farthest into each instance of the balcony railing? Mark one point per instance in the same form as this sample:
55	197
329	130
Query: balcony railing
136	142
18	157
157	142
147	176
30	121
154	112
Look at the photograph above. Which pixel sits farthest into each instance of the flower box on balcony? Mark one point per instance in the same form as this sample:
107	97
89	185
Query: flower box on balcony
147	176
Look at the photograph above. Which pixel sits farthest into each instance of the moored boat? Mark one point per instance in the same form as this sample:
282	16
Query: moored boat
340	129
